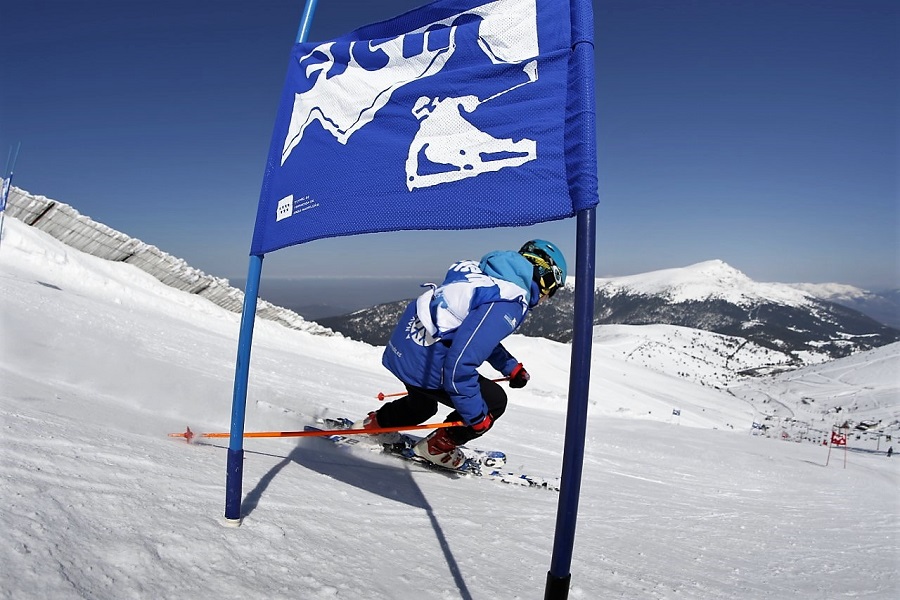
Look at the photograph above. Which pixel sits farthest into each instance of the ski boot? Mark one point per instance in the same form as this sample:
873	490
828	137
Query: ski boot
391	440
442	451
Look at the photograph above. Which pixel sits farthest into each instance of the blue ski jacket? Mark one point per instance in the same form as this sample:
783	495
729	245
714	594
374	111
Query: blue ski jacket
451	330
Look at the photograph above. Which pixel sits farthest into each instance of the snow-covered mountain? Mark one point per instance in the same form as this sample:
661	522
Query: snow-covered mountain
717	297
883	306
703	282
795	327
99	360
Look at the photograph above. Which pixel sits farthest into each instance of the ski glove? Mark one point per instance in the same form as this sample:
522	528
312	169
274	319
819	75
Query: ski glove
518	377
483	425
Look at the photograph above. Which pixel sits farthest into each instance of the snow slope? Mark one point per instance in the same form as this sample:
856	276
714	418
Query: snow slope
99	361
704	357
857	388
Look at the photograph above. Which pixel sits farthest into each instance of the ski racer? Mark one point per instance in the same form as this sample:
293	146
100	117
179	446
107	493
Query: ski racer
450	330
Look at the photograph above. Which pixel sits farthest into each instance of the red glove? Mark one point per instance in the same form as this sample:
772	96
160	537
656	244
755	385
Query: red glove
518	377
483	425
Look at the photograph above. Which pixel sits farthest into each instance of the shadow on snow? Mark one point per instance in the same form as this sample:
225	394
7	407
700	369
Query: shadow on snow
393	482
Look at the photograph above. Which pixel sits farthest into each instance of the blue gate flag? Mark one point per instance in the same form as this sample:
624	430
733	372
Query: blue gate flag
460	114
4	192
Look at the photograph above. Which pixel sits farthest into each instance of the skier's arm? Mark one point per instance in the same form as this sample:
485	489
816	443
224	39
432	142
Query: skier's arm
502	360
475	341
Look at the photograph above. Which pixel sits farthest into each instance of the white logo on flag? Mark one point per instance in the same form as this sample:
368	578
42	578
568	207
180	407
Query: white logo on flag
449	144
285	208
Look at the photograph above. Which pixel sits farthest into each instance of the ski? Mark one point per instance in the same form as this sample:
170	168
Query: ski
514	478
402	444
486	464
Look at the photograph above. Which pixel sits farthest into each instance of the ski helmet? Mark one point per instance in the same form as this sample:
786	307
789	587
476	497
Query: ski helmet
549	265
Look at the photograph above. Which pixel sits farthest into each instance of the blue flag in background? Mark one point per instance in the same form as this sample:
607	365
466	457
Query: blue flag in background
4	193
460	114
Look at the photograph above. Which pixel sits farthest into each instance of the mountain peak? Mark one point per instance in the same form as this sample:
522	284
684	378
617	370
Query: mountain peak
708	280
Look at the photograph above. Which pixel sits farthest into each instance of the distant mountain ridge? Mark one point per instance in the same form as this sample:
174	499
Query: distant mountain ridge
883	306
711	296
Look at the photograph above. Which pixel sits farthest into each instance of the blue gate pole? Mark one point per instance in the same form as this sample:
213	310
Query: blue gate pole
235	466
7	184
559	575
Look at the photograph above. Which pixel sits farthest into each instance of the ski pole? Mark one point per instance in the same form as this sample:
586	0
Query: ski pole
189	435
382	395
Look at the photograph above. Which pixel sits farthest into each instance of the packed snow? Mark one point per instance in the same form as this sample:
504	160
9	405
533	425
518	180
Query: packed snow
100	361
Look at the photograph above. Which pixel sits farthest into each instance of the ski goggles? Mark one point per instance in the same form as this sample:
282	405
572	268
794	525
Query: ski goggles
547	275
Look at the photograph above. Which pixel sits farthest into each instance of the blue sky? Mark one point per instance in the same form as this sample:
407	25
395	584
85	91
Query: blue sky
763	133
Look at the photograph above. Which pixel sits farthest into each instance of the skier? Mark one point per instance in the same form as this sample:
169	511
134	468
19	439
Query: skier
890	451
449	331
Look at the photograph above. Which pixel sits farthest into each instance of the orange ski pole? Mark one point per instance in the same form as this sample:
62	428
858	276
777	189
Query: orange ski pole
382	395
189	435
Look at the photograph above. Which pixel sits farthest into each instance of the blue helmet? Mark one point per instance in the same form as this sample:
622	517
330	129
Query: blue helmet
549	265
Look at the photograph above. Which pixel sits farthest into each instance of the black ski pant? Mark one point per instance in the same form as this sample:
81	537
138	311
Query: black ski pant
421	404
